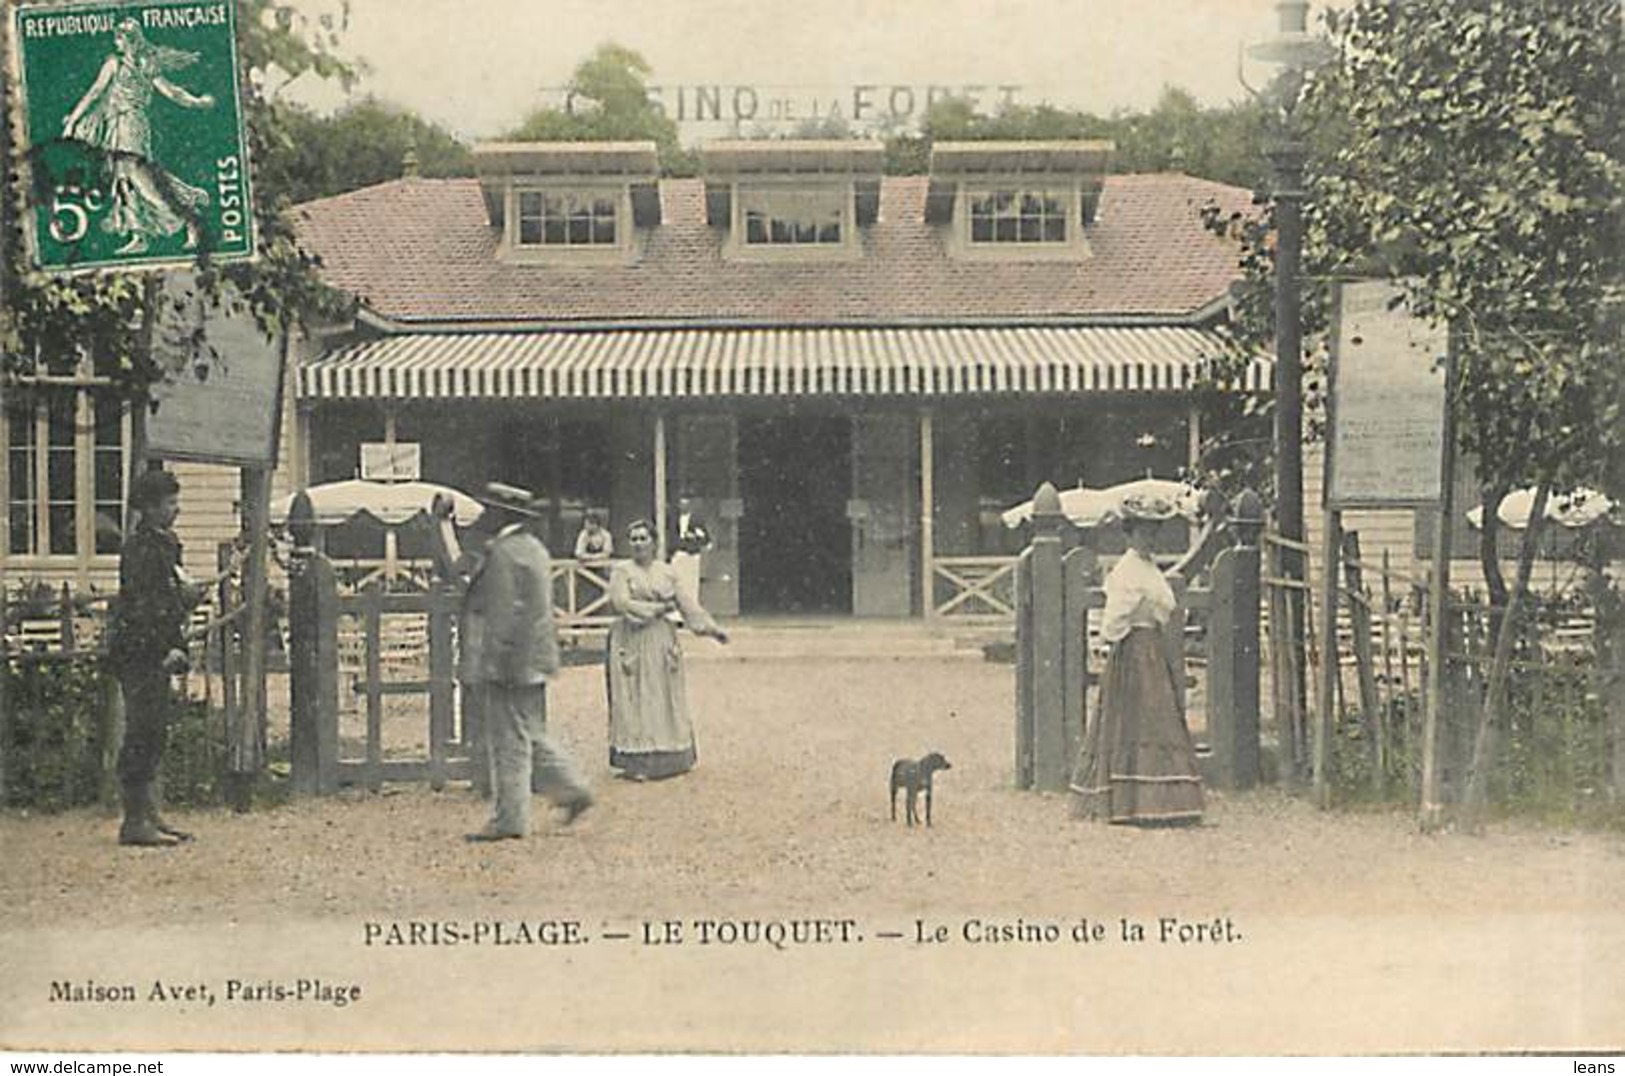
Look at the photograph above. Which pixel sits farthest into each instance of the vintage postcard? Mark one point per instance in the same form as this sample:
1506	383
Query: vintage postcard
692	526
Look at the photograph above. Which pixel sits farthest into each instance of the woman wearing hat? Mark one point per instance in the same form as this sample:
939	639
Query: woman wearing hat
1137	763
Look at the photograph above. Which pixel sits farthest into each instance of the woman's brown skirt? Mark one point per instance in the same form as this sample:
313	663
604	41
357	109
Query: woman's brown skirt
1137	762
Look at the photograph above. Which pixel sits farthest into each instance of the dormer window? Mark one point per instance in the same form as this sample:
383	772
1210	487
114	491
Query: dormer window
569	203
1016	200
791	217
788	200
1018	215
566	219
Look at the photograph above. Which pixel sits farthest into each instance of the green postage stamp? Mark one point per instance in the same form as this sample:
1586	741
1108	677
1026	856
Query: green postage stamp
133	120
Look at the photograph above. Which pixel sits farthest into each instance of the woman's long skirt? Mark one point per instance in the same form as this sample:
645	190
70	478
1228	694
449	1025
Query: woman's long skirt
1137	763
650	732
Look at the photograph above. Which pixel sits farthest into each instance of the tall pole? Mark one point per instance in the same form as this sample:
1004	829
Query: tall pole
660	486
1287	157
5	155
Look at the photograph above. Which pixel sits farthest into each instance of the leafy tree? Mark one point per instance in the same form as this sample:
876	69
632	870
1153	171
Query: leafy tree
1484	166
609	101
1176	135
365	142
1474	153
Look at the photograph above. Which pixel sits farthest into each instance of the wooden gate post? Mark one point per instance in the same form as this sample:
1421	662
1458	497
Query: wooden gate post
313	658
1050	765
1233	651
1024	669
1081	590
442	681
109	736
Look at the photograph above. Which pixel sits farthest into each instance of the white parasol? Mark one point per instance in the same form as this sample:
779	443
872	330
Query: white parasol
390	503
1093	507
1574	510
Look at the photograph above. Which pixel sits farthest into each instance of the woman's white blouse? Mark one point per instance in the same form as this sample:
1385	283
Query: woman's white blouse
1137	596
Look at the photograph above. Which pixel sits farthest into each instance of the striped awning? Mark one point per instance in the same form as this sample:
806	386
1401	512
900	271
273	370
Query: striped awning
689	363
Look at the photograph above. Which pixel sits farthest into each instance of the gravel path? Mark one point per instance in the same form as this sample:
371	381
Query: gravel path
787	814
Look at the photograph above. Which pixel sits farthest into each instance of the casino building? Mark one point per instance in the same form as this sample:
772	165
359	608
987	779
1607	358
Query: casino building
850	373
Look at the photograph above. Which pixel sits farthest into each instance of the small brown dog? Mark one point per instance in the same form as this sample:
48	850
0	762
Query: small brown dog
913	776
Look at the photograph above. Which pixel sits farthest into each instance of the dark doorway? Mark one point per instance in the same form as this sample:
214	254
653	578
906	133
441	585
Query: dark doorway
795	542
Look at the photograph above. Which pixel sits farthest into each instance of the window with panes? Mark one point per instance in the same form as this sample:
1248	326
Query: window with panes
566	219
1017	215
775	216
65	460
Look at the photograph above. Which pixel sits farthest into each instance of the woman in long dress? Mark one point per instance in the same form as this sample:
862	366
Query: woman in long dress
651	734
1137	763
146	201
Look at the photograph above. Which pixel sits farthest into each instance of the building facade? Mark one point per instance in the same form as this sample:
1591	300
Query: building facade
849	374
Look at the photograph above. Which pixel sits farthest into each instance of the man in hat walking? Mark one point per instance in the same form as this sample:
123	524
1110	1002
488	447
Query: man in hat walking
510	651
148	646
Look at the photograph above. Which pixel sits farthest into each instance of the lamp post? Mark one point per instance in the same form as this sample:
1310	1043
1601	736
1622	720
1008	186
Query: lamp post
1297	52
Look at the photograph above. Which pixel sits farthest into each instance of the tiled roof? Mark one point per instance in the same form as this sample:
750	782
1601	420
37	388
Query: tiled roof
422	250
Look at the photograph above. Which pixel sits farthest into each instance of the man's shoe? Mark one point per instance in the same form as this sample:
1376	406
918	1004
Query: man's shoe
145	835
166	829
489	834
576	807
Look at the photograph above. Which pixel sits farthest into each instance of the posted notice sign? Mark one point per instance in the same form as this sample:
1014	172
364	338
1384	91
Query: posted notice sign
1388	401
133	127
220	399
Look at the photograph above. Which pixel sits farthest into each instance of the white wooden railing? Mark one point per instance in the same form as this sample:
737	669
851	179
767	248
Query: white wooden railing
980	588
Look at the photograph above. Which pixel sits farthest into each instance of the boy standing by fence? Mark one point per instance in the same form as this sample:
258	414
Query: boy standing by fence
148	647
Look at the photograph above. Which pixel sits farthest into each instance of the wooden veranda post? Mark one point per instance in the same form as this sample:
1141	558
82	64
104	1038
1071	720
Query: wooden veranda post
659	520
928	511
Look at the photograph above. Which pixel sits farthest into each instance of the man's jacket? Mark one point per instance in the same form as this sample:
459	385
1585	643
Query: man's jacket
152	602
508	634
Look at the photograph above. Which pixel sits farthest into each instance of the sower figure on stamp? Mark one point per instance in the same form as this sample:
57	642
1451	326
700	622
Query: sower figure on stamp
510	649
148	647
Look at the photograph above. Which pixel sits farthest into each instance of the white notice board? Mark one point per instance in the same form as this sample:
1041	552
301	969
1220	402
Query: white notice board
1388	400
221	396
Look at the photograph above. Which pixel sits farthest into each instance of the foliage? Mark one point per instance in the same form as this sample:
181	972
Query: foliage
194	757
110	315
1556	719
364	143
55	755
1176	135
1482	161
1481	164
609	101
53	752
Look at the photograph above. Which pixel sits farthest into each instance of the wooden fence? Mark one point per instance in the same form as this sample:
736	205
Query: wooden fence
72	630
1380	656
